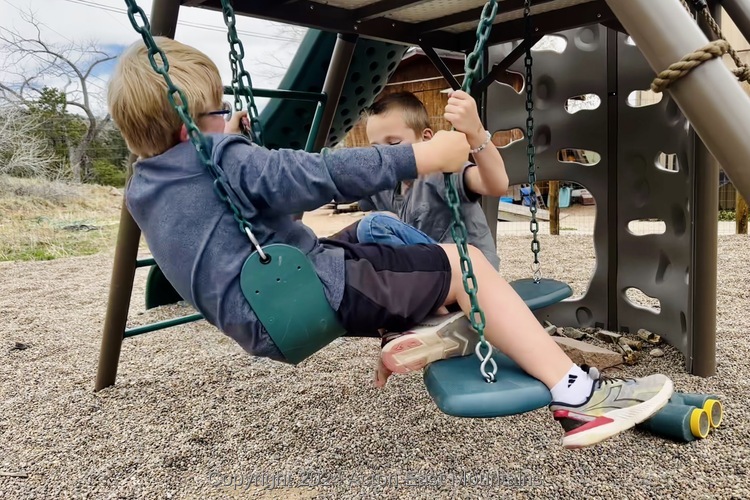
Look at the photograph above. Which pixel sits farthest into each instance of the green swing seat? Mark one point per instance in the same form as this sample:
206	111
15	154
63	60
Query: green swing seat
458	388
288	298
542	293
159	291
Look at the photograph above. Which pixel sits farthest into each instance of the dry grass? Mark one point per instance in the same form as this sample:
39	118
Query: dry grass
44	220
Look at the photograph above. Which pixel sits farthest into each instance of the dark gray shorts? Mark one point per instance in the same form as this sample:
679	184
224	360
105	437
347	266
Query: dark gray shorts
391	287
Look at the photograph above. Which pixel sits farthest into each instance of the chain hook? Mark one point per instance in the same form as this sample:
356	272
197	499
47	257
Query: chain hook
485	360
264	258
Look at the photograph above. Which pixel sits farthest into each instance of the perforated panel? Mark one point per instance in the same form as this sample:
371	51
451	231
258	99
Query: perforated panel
656	264
286	123
580	69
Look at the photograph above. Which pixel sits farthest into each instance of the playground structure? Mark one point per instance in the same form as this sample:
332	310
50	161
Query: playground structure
677	267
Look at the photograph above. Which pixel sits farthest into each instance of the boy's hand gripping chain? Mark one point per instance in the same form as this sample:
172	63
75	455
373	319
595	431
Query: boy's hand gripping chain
241	82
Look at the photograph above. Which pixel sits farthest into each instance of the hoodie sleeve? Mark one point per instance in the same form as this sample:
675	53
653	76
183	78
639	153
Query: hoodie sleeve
290	181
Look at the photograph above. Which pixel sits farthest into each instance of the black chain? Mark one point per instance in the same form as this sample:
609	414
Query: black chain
242	85
179	102
530	150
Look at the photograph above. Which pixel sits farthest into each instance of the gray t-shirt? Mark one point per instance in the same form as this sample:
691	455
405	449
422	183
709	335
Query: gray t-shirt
197	243
425	207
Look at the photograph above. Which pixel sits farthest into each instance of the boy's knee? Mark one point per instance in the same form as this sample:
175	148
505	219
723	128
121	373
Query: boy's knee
388	214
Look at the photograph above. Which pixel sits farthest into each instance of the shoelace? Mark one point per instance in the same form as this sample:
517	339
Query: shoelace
602	379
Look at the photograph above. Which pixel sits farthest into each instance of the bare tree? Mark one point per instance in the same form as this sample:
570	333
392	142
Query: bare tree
270	65
33	64
22	152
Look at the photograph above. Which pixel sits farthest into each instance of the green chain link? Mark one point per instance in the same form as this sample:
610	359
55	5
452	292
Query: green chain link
242	85
472	65
530	150
179	102
472	69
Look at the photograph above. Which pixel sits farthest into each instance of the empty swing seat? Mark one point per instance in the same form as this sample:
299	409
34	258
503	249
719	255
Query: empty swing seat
542	294
458	388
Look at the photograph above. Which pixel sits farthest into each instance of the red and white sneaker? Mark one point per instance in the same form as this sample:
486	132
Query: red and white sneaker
614	405
436	338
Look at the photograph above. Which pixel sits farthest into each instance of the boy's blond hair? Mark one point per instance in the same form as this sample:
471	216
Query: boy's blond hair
412	109
137	95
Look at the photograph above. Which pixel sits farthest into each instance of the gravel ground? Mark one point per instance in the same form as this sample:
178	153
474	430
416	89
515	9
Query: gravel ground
193	416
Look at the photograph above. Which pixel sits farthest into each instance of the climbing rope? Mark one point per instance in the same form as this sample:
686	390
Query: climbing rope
714	49
472	66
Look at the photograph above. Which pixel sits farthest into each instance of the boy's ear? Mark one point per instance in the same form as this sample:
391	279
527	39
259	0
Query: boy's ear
183	134
427	134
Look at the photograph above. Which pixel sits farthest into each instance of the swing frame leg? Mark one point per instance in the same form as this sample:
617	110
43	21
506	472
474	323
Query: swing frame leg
120	292
164	15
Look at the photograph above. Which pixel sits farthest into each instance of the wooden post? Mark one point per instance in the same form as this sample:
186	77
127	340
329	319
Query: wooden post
554	207
740	208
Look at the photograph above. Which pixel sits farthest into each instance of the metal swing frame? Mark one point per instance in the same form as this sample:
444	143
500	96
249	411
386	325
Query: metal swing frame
381	20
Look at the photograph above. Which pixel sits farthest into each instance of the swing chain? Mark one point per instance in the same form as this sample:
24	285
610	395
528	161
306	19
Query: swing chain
472	67
474	59
180	104
241	82
528	61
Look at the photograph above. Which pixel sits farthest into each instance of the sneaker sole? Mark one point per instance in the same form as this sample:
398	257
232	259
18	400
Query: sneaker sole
436	339
621	420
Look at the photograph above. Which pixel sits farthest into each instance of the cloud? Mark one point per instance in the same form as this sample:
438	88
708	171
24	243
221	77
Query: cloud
269	47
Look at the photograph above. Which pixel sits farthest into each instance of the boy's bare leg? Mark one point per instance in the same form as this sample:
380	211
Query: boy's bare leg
509	324
589	407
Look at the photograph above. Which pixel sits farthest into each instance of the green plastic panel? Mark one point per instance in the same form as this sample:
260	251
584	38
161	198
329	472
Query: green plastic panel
286	123
542	294
159	291
459	389
288	298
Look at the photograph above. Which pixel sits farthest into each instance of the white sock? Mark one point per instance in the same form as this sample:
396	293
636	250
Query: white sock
574	388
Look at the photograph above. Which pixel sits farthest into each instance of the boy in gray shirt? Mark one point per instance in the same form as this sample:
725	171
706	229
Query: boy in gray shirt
196	241
401	118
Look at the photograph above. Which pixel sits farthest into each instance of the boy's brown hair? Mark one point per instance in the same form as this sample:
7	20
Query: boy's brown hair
137	95
414	113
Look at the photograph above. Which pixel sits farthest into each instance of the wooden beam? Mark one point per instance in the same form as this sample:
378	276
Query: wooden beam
554	207
470	15
545	23
741	212
339	20
382	8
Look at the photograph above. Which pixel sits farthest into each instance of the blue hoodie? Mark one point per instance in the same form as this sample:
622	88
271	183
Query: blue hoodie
197	243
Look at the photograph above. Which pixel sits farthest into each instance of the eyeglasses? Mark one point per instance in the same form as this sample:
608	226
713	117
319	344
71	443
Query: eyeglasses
226	110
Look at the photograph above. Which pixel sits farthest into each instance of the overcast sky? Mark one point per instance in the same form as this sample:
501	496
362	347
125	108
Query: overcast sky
269	47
